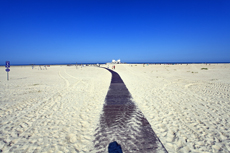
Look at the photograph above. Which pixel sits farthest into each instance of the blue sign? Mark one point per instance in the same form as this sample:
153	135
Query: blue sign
7	70
7	64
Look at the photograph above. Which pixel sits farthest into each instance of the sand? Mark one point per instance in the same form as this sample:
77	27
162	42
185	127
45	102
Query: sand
58	109
188	108
53	110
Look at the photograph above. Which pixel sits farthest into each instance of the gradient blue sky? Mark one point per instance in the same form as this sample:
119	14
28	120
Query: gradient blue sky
69	31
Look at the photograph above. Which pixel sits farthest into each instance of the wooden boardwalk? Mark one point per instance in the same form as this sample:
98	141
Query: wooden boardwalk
123	122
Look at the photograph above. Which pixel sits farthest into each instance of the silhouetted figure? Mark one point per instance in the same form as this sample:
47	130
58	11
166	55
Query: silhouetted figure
114	147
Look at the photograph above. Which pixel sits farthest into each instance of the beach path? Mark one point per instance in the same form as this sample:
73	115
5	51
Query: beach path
123	122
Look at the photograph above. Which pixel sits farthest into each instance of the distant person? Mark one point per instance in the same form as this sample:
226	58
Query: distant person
114	67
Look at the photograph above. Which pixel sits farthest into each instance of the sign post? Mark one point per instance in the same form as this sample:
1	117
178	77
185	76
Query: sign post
7	69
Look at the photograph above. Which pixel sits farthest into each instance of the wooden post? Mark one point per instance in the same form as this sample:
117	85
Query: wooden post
7	76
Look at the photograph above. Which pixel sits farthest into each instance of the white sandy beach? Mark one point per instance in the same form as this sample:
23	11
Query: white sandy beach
58	109
188	108
54	110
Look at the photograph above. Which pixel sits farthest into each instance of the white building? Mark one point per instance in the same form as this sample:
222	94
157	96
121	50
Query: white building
116	62
113	62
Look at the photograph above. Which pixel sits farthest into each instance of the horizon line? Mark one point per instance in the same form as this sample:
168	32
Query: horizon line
120	63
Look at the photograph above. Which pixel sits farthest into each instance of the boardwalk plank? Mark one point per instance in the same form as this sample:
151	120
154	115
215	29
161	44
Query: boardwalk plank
123	122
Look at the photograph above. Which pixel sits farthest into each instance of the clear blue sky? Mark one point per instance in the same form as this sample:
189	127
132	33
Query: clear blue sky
69	31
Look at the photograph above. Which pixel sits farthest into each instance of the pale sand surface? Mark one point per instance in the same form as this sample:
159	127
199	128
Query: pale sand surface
188	111
54	110
58	110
